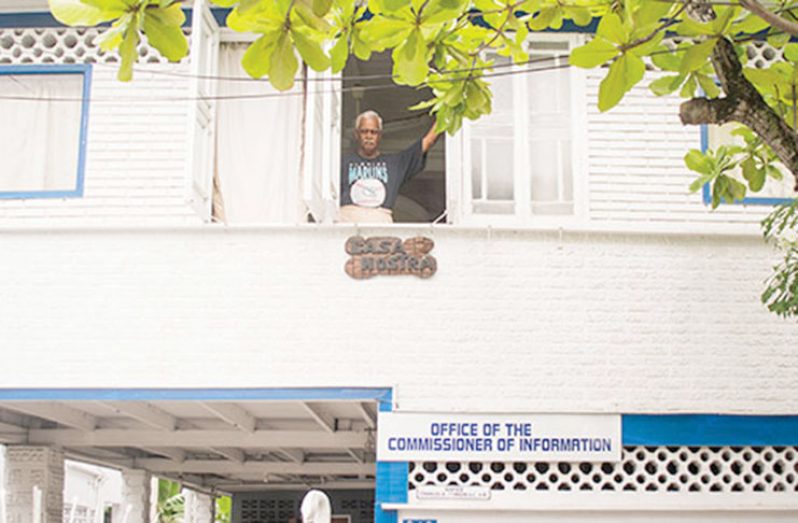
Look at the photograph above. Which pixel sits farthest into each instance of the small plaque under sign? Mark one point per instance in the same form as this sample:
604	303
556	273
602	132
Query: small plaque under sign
419	521
453	492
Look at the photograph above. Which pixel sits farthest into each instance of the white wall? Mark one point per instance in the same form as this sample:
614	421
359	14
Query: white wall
636	162
513	321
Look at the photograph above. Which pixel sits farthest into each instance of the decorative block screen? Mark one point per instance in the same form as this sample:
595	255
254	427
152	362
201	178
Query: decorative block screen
641	469
61	46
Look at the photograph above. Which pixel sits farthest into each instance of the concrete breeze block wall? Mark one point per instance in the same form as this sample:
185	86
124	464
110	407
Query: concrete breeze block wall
513	321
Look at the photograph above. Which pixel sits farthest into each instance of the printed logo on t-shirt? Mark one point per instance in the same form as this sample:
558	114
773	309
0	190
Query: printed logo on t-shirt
367	182
367	193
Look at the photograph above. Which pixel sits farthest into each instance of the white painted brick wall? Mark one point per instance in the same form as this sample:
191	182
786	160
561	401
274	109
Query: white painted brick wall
513	321
636	162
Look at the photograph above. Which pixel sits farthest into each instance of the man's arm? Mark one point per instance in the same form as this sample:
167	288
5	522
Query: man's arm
430	138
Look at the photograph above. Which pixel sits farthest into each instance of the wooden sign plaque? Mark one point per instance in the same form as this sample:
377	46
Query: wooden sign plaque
389	256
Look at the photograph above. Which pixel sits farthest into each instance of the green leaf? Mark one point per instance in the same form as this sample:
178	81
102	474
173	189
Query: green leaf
708	85
426	104
128	52
751	24
791	52
725	16
311	52
754	176
612	29
257	58
284	65
438	11
596	52
697	55
580	15
76	12
778	40
624	73
543	18
410	59
690	27
698	162
310	18
666	84
339	54
164	30
699	182
321	7
689	87
667	61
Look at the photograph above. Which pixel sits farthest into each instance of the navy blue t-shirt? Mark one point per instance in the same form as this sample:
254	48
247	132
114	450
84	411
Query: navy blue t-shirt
375	182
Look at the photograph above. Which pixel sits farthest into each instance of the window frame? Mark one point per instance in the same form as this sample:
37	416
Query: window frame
460	199
58	69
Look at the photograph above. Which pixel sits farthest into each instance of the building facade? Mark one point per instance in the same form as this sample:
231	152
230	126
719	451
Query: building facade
176	304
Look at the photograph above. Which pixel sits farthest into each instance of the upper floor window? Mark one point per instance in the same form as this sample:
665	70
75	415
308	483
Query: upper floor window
43	130
522	160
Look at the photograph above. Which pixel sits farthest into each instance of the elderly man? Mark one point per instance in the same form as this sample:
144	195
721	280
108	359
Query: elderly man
370	180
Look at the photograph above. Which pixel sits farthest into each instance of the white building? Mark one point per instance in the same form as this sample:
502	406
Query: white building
576	275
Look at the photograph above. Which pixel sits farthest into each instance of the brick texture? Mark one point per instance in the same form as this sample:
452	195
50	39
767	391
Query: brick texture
512	321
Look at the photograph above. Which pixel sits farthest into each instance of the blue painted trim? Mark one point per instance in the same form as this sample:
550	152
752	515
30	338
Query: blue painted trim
392	481
709	430
381	395
754	200
45	19
86	71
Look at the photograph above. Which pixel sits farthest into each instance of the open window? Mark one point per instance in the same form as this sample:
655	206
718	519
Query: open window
368	86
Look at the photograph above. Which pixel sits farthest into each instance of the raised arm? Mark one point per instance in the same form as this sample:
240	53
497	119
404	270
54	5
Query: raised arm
430	138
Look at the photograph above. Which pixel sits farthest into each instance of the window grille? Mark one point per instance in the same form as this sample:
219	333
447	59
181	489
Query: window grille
62	46
641	469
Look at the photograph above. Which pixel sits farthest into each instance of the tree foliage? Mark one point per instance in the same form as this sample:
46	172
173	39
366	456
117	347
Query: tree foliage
696	48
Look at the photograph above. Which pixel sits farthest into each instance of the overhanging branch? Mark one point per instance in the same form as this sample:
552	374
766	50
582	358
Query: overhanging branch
770	17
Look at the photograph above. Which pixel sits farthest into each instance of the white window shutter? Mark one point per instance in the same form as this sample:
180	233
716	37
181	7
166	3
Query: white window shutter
322	146
204	60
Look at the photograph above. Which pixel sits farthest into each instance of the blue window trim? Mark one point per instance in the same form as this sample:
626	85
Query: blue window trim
47	69
705	191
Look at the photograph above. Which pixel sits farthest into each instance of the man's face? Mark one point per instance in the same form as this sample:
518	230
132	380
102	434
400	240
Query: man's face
368	135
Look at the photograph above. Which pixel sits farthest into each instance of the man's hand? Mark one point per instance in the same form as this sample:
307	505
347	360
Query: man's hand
430	138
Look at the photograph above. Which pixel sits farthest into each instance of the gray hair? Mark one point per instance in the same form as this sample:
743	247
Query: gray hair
368	114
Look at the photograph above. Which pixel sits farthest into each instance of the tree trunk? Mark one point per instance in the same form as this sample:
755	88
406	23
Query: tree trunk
745	105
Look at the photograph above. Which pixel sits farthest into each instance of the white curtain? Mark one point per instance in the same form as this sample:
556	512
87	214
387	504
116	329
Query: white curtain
258	147
39	139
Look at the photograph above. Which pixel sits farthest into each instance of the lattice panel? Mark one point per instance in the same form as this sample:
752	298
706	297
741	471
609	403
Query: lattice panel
759	54
62	46
641	469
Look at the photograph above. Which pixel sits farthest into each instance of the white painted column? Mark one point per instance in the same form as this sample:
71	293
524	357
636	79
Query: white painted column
28	468
136	492
198	507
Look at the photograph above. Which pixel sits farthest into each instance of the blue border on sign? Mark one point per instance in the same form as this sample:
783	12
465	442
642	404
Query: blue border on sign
707	197
47	69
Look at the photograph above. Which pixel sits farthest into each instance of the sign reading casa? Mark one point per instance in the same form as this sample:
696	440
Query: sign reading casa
498	437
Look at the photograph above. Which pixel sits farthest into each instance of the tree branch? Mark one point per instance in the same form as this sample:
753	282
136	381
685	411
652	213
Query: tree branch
772	18
745	105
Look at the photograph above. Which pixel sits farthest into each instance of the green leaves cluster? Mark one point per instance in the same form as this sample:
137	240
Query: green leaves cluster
781	288
160	20
755	161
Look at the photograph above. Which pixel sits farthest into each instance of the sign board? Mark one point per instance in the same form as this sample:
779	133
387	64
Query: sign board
389	256
419	521
403	436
